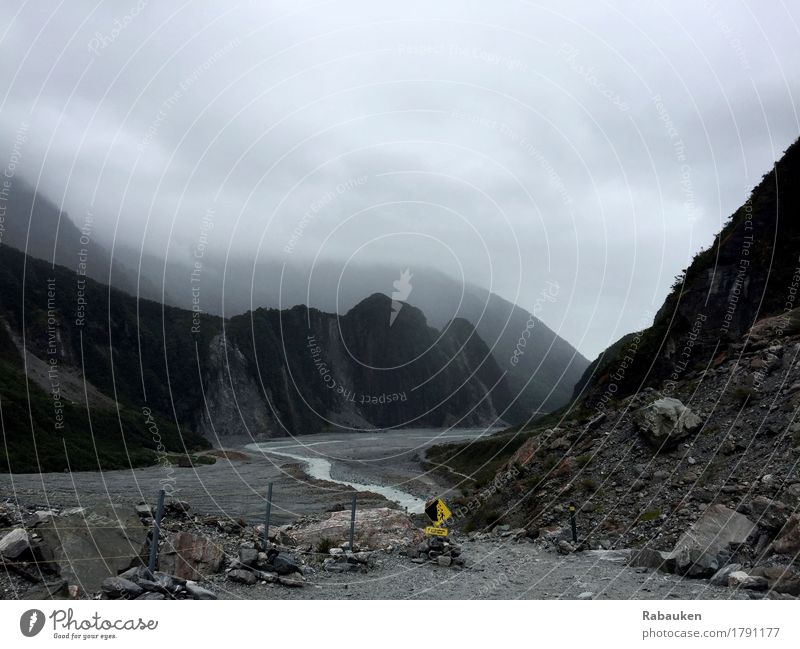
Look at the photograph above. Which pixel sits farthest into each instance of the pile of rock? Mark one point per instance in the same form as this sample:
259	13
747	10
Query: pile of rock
25	554
273	566
439	550
38	553
140	584
343	559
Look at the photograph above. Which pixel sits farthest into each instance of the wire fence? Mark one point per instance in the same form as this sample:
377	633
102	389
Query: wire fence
153	547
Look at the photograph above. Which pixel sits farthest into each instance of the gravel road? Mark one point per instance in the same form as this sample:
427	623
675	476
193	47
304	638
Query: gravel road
495	570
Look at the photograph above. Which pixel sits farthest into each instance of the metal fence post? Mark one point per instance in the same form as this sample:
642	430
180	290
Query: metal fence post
269	514
156	533
353	523
573	524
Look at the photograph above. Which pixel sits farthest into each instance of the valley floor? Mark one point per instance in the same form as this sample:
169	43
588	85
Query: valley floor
237	487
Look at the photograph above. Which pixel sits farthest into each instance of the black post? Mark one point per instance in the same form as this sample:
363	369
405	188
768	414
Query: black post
573	524
156	533
269	514
353	523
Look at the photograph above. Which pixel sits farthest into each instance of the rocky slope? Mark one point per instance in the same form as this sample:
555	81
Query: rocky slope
689	425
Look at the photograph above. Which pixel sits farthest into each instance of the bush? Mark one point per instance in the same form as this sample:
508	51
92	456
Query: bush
324	545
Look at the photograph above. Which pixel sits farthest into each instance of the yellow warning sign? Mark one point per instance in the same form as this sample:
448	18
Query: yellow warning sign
438	512
436	531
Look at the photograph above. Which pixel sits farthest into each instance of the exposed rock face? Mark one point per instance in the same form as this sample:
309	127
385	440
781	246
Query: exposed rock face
666	422
363	369
234	405
190	556
93	544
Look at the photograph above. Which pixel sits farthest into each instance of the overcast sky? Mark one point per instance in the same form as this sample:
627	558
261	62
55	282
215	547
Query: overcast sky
595	145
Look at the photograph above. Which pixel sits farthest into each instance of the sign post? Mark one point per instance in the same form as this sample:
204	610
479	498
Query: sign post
573	524
439	513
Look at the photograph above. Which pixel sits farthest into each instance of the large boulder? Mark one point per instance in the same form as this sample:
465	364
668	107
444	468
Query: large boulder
190	556
524	455
14	544
781	579
93	544
705	546
665	423
376	528
285	564
121	588
741	579
788	541
769	513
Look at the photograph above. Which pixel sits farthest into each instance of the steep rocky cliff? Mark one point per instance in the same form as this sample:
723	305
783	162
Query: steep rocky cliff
365	370
752	270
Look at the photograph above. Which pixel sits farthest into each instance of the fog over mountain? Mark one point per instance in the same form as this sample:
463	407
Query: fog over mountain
600	149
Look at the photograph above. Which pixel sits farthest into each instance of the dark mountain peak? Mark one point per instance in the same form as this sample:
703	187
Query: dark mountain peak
381	311
459	329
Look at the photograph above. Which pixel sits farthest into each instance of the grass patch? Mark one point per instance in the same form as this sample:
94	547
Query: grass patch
589	485
480	459
741	395
649	515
